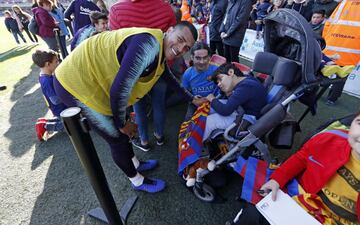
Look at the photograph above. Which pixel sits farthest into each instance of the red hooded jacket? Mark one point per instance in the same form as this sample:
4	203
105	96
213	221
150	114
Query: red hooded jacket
316	162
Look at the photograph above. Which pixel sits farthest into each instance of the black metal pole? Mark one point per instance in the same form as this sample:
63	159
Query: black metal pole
78	131
57	36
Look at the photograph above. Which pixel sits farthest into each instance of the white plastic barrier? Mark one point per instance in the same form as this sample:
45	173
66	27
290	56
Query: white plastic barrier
352	85
251	45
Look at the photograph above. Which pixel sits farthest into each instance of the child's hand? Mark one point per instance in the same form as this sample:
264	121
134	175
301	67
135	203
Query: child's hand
210	97
273	186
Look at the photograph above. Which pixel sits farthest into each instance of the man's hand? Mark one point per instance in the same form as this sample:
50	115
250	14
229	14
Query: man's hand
210	97
130	129
223	35
198	100
272	186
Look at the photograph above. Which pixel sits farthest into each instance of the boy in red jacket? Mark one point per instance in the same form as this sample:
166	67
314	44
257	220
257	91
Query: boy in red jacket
328	169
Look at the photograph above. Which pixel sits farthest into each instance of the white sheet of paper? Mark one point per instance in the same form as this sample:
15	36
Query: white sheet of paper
284	211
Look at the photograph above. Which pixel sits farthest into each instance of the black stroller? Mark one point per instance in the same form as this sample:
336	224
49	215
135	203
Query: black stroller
291	59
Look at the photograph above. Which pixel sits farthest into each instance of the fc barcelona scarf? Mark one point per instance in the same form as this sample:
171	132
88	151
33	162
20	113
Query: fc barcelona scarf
190	137
255	173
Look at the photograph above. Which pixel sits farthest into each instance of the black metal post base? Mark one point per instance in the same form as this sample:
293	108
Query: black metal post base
78	130
99	214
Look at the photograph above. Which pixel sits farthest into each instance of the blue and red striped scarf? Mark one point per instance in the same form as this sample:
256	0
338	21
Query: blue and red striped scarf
256	173
190	137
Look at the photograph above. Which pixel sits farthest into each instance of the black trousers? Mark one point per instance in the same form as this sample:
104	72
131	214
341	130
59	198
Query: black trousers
32	36
217	46
336	90
120	145
231	53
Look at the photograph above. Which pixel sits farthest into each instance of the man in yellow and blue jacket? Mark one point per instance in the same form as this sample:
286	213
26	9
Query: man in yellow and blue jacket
113	70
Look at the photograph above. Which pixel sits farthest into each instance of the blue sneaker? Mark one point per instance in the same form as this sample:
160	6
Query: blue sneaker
150	185
147	165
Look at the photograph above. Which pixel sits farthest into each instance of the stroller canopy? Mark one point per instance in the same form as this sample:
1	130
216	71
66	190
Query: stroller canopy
289	35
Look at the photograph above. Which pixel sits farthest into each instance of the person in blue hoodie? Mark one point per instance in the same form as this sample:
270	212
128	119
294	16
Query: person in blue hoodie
58	14
12	26
47	61
81	9
99	23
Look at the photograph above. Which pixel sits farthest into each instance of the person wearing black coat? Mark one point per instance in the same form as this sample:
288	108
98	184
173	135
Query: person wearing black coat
233	27
304	7
217	13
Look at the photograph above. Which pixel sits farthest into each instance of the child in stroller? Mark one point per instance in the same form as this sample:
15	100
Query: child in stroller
239	90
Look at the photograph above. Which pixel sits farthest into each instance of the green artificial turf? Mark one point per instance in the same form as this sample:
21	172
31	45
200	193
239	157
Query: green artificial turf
15	60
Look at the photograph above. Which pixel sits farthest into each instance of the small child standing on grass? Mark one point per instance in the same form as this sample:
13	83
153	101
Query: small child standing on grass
48	61
12	26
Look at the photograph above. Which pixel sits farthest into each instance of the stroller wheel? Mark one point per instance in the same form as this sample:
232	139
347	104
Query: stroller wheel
204	192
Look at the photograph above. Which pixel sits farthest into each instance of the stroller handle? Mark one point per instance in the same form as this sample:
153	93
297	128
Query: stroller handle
268	121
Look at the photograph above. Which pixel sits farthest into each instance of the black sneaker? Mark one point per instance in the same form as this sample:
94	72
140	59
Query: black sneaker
159	141
330	103
2	88
137	143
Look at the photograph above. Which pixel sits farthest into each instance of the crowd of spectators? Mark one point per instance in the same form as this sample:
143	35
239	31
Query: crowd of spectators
228	20
26	2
